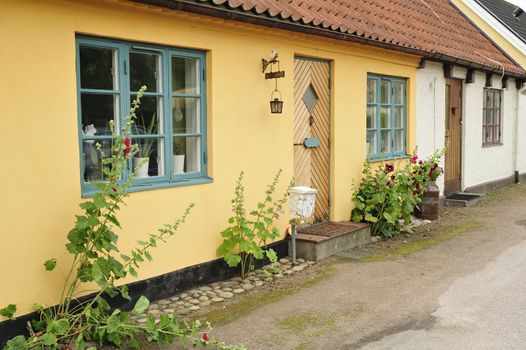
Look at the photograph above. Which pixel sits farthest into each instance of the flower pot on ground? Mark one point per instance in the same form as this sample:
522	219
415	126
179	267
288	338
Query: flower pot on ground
140	167
178	163
428	208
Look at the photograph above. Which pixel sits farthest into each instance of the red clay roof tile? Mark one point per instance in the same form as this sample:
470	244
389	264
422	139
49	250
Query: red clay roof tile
431	26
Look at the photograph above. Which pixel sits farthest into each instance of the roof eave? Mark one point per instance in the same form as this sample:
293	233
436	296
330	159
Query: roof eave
271	22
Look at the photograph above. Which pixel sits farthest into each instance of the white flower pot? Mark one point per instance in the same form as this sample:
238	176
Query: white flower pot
178	164
140	167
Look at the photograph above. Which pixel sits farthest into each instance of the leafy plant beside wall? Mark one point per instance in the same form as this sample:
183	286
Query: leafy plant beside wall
388	194
92	242
245	238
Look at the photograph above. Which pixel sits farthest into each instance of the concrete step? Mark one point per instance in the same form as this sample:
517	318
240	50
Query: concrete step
463	199
321	241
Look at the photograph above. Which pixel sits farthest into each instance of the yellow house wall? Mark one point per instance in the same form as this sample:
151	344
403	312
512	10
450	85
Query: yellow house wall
40	168
511	50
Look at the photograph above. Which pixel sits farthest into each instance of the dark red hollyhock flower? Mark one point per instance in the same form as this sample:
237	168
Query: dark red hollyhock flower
435	165
205	336
389	184
415	158
389	168
420	162
417	186
127	143
393	177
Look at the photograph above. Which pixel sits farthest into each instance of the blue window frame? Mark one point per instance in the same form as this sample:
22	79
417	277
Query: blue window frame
170	129
386	117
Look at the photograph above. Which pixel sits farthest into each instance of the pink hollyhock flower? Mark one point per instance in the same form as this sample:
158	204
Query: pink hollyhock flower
389	168
415	159
127	143
205	336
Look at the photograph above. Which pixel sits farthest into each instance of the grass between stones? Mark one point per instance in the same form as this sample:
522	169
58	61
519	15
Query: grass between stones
250	303
422	244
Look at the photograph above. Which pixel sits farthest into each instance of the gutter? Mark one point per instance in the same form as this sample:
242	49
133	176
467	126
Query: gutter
225	13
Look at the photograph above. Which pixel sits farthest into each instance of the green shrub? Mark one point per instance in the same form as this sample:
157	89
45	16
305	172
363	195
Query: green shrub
391	192
244	239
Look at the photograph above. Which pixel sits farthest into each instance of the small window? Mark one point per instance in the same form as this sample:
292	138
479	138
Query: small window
170	130
386	117
492	117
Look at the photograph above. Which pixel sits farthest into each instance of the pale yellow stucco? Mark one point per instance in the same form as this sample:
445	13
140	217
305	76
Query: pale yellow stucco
504	44
38	134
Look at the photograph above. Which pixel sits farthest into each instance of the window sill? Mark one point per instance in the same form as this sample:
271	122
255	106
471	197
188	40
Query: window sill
491	145
147	187
377	159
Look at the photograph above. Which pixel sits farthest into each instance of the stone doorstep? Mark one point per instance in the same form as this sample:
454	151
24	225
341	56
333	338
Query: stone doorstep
317	247
460	203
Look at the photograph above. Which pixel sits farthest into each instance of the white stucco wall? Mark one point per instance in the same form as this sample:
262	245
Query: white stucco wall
486	164
479	164
430	112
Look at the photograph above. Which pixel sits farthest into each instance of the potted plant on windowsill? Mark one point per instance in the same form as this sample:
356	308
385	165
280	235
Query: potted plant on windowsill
178	157
141	162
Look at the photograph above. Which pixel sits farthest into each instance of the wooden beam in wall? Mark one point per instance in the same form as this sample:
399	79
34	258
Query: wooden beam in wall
470	76
505	82
447	70
488	79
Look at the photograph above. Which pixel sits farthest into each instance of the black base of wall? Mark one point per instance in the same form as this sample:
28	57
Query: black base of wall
155	288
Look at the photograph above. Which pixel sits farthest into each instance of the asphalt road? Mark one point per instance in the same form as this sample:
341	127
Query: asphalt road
484	310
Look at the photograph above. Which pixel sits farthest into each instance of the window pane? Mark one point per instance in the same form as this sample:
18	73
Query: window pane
371	142
149	116
398	92
97	68
187	155
496	99
148	161
185	75
385	91
91	158
144	70
98	110
398	141
399	117
371	117
489	99
385	141
496	116
496	134
186	115
385	117
489	116
489	134
371	90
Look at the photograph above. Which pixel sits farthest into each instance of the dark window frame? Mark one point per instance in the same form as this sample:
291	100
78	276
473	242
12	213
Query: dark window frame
492	118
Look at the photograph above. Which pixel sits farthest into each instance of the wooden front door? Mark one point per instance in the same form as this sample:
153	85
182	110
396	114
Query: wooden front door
453	115
311	130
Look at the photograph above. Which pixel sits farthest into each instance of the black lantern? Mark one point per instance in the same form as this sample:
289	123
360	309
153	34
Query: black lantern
276	105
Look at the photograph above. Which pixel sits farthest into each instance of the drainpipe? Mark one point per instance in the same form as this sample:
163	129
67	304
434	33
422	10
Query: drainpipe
520	91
